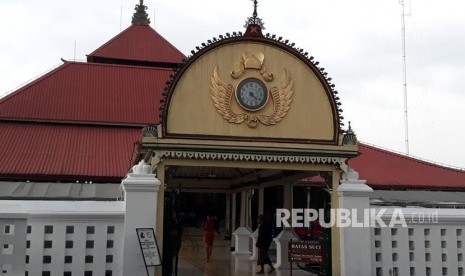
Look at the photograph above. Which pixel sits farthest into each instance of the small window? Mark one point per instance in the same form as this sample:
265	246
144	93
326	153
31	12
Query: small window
394	231
67	273
460	257
394	257
411	231
443	232
428	257
108	273
28	244
47	259
411	245
411	256
110	243
394	244
379	271
69	229
90	229
443	244
460	270
27	259
412	271
377	244
109	258
69	244
427	244
428	271
68	259
45	273
459	244
89	259
29	229
444	271
47	244
89	244
87	273
444	257
459	232
426	232
377	231
7	230
110	229
48	229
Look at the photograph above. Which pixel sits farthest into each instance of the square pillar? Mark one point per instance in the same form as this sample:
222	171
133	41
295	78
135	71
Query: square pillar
354	195
140	195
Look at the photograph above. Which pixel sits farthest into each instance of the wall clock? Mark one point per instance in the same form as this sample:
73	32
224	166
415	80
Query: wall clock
252	94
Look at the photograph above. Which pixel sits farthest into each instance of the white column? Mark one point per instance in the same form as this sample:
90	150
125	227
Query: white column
261	200
140	194
244	199
288	196
233	218
242	234
227	216
282	245
355	194
254	237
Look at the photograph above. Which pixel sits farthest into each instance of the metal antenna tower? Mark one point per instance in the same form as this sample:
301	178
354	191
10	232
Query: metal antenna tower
404	71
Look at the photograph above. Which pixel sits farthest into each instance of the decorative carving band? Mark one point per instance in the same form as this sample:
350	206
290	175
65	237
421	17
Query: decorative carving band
337	161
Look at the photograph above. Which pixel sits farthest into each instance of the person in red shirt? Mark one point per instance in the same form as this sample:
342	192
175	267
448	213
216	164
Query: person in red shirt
209	236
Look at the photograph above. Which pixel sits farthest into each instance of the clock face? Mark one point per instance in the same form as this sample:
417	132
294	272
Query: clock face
252	94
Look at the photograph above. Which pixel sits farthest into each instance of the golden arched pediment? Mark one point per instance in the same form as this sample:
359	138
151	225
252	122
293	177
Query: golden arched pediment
251	90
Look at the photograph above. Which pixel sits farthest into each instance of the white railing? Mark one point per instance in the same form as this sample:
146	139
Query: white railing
431	244
61	238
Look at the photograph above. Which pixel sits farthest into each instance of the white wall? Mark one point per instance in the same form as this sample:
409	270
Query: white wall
80	237
422	248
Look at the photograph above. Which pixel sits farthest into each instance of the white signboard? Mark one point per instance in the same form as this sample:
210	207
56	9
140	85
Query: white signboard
149	247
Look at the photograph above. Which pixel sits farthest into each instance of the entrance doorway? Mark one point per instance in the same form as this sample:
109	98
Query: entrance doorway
232	196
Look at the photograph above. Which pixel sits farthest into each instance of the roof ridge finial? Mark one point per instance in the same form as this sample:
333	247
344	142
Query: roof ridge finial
254	24
140	17
255	4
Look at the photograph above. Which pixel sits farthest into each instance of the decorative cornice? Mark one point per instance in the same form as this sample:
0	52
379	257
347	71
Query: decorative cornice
248	157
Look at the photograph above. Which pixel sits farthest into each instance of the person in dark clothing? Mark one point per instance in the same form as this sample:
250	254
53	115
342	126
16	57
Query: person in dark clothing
263	244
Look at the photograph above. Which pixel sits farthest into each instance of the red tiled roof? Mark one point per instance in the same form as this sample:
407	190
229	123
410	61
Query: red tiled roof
385	169
89	92
62	152
139	42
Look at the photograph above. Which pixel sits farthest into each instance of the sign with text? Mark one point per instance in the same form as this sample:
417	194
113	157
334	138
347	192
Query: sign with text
148	245
309	252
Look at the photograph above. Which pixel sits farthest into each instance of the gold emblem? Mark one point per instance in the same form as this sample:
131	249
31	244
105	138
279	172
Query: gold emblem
252	94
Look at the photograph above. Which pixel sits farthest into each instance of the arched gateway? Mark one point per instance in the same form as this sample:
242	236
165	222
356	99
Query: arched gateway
246	112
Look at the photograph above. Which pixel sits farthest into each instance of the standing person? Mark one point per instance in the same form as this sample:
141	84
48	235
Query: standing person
263	244
209	236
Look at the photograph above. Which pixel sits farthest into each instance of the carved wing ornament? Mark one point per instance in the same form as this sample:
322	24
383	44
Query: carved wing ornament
252	94
221	95
282	98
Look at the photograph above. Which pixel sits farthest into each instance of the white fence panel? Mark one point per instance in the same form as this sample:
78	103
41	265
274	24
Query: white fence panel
12	242
65	238
431	247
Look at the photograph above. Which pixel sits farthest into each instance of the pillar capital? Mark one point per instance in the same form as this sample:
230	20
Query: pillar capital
141	179
351	186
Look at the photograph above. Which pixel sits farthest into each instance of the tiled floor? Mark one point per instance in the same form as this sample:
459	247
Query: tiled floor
223	263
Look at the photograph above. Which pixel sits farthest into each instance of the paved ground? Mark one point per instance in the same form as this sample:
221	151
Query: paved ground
223	263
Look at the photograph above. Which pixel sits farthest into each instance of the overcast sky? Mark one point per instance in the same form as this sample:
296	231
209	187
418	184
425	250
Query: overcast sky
357	41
